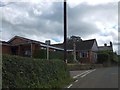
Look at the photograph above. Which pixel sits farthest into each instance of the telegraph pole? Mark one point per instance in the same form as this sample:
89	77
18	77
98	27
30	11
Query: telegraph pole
65	30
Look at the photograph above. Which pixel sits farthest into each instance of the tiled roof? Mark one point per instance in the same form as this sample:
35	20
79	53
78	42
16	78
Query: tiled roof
4	43
80	45
85	45
26	39
34	41
105	48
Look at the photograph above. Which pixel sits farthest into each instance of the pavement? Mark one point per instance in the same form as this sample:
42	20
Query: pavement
95	78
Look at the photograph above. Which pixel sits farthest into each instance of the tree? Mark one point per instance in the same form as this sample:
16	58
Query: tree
107	56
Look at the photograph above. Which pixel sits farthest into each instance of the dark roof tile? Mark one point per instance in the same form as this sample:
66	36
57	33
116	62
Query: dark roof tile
80	45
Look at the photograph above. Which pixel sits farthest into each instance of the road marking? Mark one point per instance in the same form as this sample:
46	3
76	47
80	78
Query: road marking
69	86
85	73
88	73
80	74
76	81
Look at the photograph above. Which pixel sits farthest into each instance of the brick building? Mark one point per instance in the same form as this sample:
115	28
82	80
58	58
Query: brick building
24	47
106	47
85	50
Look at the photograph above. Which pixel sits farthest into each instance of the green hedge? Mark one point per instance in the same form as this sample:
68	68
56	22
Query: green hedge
41	54
102	57
107	56
21	72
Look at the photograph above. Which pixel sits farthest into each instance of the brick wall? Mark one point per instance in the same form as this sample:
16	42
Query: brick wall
35	47
6	49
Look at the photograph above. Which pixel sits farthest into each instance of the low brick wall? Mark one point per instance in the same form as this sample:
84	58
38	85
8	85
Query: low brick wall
98	65
73	67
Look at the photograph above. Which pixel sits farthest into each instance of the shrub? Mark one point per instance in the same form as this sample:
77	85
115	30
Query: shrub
21	72
107	56
56	55
41	54
102	58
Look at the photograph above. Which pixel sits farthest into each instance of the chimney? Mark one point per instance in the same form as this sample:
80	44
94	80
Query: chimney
110	43
105	44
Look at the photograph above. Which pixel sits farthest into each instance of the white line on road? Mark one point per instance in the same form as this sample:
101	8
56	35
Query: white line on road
69	86
85	73
88	73
76	81
81	74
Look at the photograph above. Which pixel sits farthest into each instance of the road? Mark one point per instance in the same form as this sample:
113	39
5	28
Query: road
95	78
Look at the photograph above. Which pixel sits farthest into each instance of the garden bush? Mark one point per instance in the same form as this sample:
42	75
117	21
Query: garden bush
22	72
102	57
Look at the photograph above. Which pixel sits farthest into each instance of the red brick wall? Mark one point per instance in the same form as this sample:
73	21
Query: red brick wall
90	56
35	47
6	49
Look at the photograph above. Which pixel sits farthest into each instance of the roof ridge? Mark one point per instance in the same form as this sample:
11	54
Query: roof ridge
25	38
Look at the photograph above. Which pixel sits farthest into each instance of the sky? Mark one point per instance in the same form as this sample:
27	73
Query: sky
43	20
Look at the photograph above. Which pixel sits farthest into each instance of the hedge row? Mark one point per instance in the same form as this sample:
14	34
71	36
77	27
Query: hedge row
20	72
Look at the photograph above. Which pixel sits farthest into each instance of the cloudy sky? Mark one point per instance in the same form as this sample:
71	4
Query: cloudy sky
43	19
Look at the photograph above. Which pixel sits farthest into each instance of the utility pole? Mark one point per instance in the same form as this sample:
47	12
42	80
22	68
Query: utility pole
65	30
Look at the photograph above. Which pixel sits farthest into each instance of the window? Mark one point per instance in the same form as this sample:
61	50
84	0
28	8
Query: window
28	53
83	54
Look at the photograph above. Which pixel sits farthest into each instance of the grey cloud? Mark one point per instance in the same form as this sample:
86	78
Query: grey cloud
39	25
76	25
49	24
